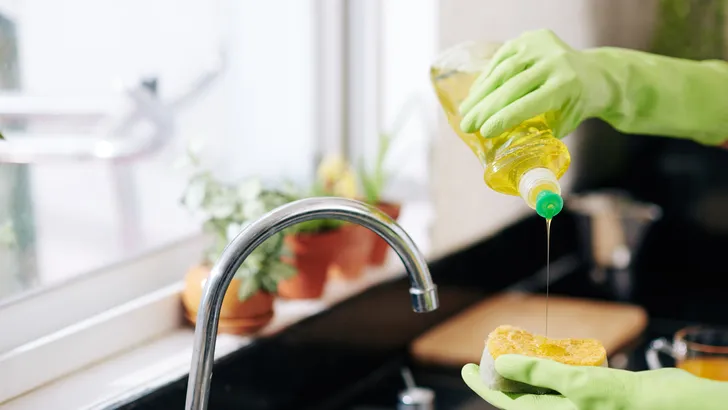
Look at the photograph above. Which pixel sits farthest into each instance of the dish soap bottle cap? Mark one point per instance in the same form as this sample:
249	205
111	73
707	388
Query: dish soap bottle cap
549	204
541	191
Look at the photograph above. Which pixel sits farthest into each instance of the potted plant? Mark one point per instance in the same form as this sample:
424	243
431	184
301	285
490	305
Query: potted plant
313	245
325	248
337	178
225	210
374	181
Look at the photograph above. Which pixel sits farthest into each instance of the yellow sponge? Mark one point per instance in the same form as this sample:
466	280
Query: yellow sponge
512	340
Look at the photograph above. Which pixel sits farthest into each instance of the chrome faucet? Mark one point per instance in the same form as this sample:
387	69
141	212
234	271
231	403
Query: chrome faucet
423	291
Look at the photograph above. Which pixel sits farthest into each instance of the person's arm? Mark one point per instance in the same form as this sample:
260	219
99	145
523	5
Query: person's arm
634	91
591	387
667	96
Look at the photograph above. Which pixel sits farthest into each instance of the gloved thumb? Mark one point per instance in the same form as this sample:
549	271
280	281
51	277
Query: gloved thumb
544	373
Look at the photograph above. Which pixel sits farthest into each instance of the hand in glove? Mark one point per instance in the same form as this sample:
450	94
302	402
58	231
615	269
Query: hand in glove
598	388
634	91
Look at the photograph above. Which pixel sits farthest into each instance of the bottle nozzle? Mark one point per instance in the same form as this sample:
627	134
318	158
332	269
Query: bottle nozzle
540	189
548	204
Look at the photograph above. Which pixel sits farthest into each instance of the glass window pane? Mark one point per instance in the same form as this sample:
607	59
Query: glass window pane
71	65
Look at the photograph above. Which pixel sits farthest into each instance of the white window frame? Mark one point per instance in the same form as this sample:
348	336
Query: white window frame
138	300
370	108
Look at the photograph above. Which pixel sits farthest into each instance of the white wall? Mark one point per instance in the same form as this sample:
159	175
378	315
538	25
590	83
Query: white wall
466	210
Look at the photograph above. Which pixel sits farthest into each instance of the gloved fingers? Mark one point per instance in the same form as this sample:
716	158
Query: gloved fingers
564	120
499	76
509	401
517	87
505	52
471	375
565	379
530	105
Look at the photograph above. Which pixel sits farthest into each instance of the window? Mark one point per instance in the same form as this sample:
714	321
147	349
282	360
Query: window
99	98
391	46
83	80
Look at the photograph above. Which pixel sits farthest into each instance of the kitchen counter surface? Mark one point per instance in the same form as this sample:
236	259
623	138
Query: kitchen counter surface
349	356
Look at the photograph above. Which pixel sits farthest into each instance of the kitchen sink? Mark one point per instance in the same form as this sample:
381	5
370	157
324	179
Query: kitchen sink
380	390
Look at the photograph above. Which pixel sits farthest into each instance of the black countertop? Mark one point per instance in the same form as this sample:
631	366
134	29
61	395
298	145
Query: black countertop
330	359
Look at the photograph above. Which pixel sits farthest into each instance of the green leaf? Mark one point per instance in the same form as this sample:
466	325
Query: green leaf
227	209
244	272
248	287
268	284
370	192
374	181
232	231
254	263
2	137
220	208
253	209
279	271
286	251
250	190
195	194
317	226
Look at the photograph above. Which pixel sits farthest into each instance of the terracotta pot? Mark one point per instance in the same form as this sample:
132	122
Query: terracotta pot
353	252
236	317
380	248
313	254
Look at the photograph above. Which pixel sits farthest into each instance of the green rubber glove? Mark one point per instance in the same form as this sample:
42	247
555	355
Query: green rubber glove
598	388
636	92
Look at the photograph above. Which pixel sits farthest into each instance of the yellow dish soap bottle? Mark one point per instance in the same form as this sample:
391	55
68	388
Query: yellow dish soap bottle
526	160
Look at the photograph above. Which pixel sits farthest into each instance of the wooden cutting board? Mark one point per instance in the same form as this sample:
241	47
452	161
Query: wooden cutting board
461	339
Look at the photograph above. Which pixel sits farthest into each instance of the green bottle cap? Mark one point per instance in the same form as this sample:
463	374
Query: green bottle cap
548	204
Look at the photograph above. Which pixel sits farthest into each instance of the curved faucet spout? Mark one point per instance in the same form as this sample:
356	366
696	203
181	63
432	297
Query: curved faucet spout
423	291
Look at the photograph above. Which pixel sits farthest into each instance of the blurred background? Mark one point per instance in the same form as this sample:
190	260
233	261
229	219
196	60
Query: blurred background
270	88
267	88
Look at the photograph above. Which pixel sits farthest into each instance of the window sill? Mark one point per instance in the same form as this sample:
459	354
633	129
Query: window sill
166	358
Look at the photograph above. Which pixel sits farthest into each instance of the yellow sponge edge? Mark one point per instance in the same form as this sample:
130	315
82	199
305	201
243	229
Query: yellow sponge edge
512	340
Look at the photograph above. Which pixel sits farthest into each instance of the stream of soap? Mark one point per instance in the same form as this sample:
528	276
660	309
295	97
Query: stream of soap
548	272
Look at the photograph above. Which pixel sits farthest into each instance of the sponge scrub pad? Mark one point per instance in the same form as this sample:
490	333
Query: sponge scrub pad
512	340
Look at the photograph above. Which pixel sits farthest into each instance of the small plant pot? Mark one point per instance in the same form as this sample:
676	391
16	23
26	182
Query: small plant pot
352	256
380	248
313	254
236	317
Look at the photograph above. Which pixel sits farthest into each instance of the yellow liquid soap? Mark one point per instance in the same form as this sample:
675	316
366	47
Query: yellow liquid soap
530	149
548	272
548	349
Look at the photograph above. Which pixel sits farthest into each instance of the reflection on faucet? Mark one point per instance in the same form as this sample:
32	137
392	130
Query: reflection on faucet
423	291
